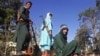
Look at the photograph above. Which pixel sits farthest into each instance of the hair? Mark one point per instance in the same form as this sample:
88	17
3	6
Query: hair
29	2
51	14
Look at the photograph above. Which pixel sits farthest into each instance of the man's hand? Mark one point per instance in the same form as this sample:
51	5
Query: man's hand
50	32
21	19
31	34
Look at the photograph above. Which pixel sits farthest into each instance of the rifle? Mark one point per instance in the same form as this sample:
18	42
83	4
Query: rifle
36	47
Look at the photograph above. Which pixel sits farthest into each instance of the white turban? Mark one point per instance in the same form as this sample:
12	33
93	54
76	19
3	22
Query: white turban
63	26
49	15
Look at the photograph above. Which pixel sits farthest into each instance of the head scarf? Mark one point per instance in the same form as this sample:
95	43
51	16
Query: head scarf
62	27
49	15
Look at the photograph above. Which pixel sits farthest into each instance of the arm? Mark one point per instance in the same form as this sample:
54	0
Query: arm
49	26
21	13
59	42
19	17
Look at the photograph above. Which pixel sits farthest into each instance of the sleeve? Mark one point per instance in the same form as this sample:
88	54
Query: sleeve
70	48
59	42
49	24
21	12
41	27
30	28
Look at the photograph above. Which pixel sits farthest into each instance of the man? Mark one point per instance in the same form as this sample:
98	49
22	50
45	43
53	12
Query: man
61	47
22	36
46	35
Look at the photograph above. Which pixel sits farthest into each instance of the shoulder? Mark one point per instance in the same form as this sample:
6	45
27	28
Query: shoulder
22	8
47	19
57	36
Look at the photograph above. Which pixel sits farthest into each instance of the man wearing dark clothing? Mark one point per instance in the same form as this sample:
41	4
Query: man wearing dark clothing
61	47
22	36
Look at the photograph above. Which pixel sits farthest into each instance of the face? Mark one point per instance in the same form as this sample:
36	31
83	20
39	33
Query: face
28	5
75	55
50	15
65	31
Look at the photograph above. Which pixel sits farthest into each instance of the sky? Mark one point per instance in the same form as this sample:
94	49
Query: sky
64	12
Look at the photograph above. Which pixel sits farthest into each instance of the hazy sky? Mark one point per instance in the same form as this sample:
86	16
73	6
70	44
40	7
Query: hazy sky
64	12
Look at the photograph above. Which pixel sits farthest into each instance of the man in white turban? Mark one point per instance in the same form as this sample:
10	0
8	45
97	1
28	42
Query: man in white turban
46	35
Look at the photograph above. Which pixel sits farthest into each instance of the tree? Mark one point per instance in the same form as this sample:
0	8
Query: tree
98	41
8	10
92	20
83	35
98	4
